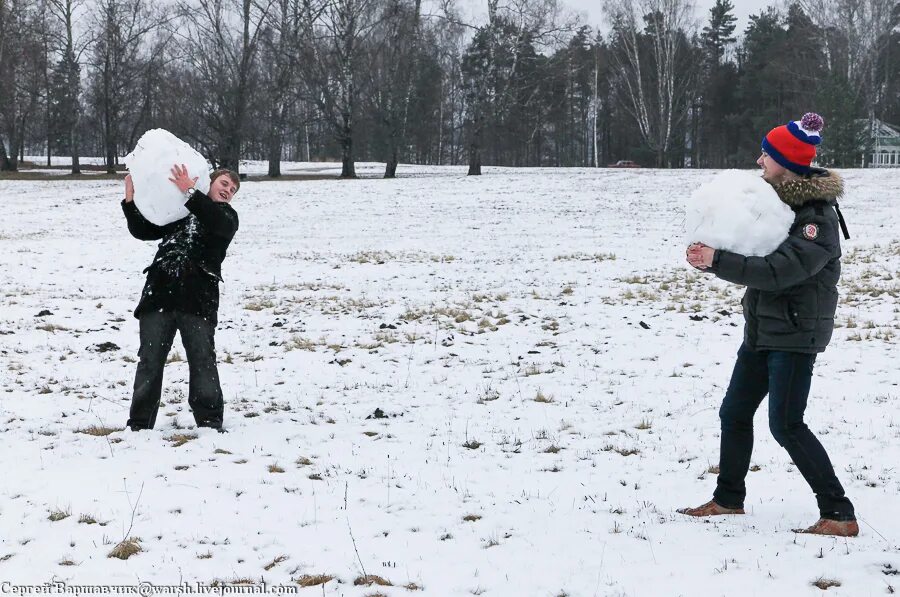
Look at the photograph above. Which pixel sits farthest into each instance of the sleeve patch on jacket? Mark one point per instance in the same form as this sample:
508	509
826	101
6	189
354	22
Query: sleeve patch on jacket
811	232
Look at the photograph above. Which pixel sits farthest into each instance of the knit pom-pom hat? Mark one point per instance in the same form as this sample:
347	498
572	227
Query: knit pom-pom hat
793	145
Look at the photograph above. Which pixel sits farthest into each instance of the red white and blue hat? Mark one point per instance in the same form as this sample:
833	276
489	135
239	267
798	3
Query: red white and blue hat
793	145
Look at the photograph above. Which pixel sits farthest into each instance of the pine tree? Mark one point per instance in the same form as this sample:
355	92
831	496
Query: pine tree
714	136
719	33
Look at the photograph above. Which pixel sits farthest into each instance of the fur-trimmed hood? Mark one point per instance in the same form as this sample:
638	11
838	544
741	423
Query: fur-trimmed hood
819	185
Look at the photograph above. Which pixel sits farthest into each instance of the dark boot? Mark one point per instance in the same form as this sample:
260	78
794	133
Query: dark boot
710	508
835	528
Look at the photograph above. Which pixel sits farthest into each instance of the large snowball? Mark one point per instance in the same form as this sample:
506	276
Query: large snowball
150	165
739	212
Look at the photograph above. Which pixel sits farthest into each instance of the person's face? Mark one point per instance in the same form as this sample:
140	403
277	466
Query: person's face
772	171
222	189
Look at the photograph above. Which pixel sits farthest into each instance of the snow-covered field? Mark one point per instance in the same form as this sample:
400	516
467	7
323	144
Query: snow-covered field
548	368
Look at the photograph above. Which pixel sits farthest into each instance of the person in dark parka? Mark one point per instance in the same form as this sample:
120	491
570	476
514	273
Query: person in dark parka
789	309
182	294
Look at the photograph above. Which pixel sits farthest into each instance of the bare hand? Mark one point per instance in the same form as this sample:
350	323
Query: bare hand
129	189
700	256
182	179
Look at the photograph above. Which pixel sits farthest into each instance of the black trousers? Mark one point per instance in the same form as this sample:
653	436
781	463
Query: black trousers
786	378
198	337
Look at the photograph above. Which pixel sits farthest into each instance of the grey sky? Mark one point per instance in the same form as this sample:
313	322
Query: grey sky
742	10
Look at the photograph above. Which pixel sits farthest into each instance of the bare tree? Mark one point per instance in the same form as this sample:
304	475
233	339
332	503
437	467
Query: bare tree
278	51
512	25
223	41
595	106
331	58
22	69
70	44
390	71
452	43
289	21
120	29
654	70
863	31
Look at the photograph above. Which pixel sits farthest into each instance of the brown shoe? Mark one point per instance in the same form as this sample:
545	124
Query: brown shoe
836	528
710	508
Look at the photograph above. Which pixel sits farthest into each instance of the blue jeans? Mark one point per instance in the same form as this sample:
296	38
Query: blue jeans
785	377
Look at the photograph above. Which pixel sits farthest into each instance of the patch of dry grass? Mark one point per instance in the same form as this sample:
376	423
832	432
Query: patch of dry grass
179	439
303	343
372	579
275	562
127	548
620	451
99	430
825	583
312	580
259	305
542	398
596	257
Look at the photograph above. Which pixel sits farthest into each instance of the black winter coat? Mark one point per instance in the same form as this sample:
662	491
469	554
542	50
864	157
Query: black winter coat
187	268
792	294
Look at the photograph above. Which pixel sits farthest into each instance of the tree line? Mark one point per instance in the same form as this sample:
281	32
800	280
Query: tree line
402	81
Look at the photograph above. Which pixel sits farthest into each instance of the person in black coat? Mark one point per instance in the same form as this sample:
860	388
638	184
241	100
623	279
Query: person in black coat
182	294
789	309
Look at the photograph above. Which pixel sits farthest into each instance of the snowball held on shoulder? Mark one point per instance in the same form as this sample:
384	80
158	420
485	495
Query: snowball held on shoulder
739	212
150	165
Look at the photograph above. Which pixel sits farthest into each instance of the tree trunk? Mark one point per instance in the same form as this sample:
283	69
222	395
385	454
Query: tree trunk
475	149
111	150
110	154
275	148
440	143
390	169
73	141
348	165
109	136
231	154
5	165
12	160
306	143
49	135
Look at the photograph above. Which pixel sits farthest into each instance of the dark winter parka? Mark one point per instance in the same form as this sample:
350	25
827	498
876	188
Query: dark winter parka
792	294
187	269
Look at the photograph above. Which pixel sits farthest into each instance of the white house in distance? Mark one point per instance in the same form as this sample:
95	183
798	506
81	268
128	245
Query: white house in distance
885	146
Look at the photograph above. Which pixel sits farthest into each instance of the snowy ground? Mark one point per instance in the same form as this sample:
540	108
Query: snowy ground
549	368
